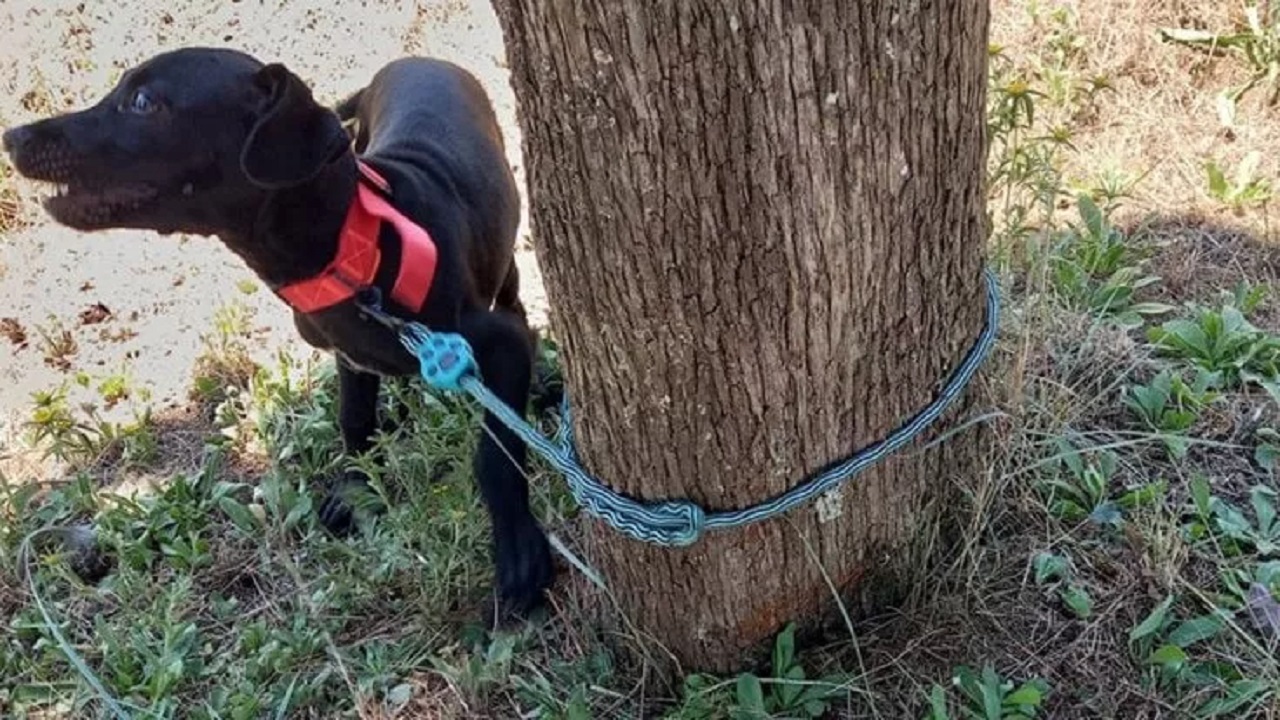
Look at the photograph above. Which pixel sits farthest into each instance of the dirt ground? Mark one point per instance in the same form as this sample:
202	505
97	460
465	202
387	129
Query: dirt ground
161	294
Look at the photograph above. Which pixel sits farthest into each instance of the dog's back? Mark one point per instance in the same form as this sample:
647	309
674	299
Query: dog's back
429	123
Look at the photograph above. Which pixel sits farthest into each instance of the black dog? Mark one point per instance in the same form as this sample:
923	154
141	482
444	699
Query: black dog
213	142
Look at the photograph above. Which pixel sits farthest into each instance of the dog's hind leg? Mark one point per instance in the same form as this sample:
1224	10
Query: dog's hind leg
547	386
521	553
357	421
508	297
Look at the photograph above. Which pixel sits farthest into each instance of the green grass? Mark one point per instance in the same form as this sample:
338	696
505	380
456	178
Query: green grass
1121	556
226	600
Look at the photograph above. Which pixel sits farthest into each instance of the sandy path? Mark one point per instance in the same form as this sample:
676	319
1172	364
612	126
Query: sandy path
163	293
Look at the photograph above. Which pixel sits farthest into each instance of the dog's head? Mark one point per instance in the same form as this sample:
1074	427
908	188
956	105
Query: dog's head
188	141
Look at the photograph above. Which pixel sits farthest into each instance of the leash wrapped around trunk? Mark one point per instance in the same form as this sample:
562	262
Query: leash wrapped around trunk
447	364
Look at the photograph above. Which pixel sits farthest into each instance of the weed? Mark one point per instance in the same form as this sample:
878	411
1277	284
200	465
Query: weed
1238	535
1032	107
1081	489
87	438
1258	42
1239	582
787	692
1055	571
114	389
1094	267
1161	643
1166	647
1267	451
58	345
1244	189
226	365
1171	406
484	668
1224	343
987	696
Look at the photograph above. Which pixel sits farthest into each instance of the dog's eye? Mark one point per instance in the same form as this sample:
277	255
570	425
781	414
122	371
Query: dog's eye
140	103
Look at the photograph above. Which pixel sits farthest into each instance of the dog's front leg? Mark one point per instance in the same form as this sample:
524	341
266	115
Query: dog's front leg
357	421
522	555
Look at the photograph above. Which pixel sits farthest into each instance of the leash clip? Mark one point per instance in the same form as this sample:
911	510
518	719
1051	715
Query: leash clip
445	359
369	300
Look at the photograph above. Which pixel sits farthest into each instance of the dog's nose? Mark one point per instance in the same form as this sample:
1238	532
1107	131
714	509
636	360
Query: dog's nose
15	138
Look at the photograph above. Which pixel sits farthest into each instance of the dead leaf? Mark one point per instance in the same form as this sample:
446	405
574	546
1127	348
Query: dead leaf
13	331
94	314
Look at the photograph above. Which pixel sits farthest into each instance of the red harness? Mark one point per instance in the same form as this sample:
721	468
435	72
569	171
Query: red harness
356	264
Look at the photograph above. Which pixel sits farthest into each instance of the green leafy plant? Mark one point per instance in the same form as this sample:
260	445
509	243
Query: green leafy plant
1224	342
1267	451
1081	489
1166	646
987	696
1170	406
478	671
1262	535
1083	492
1239	698
1055	571
225	364
1095	268
1244	189
1023	179
1162	643
1201	510
1238	581
1246	296
1214	517
1034	102
786	693
85	437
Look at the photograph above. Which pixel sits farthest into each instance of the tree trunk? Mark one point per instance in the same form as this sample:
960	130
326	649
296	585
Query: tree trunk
761	225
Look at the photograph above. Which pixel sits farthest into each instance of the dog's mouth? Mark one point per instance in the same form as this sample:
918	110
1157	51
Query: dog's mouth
85	207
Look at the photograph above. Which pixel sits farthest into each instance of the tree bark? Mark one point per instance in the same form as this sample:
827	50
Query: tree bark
762	226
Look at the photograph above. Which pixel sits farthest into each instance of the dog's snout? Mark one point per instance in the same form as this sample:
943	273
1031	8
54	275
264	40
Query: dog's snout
15	138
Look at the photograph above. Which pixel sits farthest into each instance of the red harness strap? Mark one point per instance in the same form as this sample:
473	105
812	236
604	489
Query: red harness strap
356	263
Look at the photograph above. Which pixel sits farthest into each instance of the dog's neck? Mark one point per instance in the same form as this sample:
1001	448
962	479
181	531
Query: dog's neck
294	234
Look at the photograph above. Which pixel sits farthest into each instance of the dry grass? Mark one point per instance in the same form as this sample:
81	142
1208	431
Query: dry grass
1160	122
10	207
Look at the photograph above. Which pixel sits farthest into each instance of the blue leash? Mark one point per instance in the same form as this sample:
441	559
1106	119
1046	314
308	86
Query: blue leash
447	364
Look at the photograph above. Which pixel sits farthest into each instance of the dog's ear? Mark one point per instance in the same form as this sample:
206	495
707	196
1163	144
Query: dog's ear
294	137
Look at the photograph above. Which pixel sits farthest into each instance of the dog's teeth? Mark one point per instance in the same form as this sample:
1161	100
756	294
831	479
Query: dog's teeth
188	189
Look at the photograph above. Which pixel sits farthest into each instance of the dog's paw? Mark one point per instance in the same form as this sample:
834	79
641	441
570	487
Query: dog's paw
524	570
338	509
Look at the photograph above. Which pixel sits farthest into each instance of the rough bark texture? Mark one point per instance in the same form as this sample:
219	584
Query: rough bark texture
762	228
